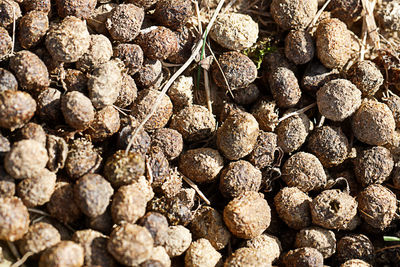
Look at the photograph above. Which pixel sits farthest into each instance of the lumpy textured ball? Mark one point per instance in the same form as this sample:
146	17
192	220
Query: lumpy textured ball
68	40
235	31
290	14
373	123
338	99
248	215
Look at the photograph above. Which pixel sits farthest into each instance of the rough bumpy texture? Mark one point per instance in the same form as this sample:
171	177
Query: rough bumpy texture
235	31
14	219
247	257
39	237
30	71
333	209
373	123
173	13
356	246
194	122
143	105
130	244
178	240
237	136
65	253
292	206
37	190
290	14
131	55
373	165
105	84
333	43
202	253
338	99
355	263
99	52
248	215
304	171
68	40
208	223
92	194
16	109
61	205
377	206
321	239
124	22
121	170
263	154
40	5
208	164
105	123
82	158
95	248
266	114
239	177
25	159
268	244
284	87
303	257
5	43
78	8
169	141
293	131
129	202
157	225
299	47
366	76
181	92
32	28
329	144
77	109
239	70
9	11
157	42
7	79
393	102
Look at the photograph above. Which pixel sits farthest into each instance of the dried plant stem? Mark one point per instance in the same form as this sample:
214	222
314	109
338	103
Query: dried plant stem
318	15
13	250
195	53
23	259
196	188
297	112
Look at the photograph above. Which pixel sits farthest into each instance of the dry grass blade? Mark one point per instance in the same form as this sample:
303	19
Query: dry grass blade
22	260
194	186
369	22
297	112
195	52
318	15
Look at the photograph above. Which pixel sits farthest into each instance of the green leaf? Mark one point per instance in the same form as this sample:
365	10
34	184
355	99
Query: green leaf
391	238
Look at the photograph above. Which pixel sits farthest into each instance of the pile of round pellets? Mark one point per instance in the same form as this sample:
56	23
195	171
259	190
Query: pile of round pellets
169	133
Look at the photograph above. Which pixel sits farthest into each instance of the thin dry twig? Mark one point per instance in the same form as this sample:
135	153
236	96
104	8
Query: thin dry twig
195	53
13	34
297	112
150	172
196	188
321	121
386	248
13	250
318	15
39	212
21	261
369	22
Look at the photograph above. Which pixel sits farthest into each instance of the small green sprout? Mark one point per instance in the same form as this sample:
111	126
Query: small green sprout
258	51
391	238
